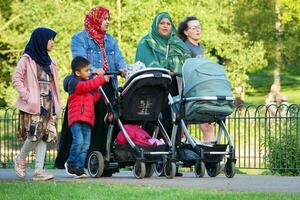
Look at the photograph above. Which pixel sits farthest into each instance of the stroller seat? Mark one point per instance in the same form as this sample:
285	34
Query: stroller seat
144	94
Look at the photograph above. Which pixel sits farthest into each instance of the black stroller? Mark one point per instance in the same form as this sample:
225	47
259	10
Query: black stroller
205	97
139	100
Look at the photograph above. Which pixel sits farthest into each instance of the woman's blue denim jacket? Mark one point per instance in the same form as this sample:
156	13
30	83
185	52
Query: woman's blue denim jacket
83	45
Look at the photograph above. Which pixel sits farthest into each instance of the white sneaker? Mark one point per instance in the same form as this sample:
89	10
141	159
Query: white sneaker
80	173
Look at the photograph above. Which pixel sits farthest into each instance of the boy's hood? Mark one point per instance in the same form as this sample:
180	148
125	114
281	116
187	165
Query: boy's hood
70	83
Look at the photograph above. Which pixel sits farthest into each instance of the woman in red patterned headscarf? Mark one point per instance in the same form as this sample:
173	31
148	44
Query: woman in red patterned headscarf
102	50
96	24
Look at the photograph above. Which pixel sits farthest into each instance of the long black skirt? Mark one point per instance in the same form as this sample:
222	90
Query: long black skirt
98	132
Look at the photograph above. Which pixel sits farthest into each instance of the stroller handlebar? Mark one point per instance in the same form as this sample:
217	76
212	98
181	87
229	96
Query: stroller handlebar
116	73
176	74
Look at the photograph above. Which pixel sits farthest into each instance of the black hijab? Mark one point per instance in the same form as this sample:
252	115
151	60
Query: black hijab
36	48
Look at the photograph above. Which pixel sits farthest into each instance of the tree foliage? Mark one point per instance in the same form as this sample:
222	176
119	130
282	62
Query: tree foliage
257	19
232	29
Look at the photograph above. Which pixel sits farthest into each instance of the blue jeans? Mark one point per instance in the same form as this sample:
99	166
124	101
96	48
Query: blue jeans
81	134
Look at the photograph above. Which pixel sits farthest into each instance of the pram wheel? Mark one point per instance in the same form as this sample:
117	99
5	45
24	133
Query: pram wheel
95	164
159	168
213	169
139	169
229	169
149	170
199	169
170	169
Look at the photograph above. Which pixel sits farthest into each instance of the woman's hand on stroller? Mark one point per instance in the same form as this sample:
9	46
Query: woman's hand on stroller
172	73
175	74
123	72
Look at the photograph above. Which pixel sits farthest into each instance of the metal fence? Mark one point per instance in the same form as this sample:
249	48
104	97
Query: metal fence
257	133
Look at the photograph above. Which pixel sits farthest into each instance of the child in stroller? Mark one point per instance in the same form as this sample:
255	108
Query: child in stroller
139	100
205	98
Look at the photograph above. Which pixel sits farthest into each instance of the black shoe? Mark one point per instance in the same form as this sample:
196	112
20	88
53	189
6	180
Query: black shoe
80	174
70	168
178	174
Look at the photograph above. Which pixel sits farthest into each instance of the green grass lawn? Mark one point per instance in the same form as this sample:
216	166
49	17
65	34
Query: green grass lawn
86	190
261	82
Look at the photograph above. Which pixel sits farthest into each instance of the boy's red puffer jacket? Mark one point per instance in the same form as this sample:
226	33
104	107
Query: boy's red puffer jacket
82	96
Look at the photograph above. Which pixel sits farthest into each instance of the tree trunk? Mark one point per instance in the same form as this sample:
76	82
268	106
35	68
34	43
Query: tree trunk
278	59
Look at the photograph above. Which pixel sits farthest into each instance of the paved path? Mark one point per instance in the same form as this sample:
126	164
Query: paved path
241	182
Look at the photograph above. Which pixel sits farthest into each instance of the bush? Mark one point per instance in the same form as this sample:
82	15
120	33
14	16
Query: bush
283	156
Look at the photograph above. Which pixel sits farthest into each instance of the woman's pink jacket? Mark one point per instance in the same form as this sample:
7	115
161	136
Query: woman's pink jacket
26	83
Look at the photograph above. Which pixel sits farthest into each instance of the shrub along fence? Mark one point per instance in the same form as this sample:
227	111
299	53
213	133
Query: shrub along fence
263	137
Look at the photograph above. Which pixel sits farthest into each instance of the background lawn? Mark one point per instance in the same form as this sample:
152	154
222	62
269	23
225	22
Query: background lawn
261	82
87	190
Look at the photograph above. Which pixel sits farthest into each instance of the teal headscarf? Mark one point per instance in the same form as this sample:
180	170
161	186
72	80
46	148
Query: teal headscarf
160	39
155	50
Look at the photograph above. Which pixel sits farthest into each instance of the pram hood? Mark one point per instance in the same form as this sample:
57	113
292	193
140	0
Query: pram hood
196	72
145	73
206	91
144	94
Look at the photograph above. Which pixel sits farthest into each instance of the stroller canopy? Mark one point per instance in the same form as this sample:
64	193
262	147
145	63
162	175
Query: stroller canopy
144	93
205	75
206	91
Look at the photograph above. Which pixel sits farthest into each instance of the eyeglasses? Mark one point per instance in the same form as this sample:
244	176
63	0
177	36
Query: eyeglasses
198	27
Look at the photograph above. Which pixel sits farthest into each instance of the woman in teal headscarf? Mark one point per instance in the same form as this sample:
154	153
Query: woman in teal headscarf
162	48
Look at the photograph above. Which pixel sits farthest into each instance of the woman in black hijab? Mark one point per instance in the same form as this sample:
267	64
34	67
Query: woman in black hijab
36	80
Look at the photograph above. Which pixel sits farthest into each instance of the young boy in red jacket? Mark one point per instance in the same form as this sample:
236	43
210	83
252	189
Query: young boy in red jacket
83	94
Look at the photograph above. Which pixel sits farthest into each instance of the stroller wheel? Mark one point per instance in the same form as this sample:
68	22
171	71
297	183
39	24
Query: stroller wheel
229	169
170	169
199	169
95	164
139	170
213	169
149	170
159	168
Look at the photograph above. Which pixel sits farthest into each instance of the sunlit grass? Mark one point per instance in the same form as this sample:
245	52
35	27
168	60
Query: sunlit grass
87	190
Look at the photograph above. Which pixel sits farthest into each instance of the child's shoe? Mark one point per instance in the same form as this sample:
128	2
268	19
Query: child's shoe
20	167
80	174
41	175
70	168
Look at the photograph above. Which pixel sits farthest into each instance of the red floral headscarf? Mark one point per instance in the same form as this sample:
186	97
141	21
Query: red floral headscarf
93	22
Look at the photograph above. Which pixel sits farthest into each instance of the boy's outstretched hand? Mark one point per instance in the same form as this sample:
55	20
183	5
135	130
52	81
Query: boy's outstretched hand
99	72
106	78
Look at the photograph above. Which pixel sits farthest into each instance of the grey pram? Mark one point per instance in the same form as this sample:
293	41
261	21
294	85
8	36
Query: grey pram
205	97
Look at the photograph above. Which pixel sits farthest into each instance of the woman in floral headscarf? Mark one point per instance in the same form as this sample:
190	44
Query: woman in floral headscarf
101	49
